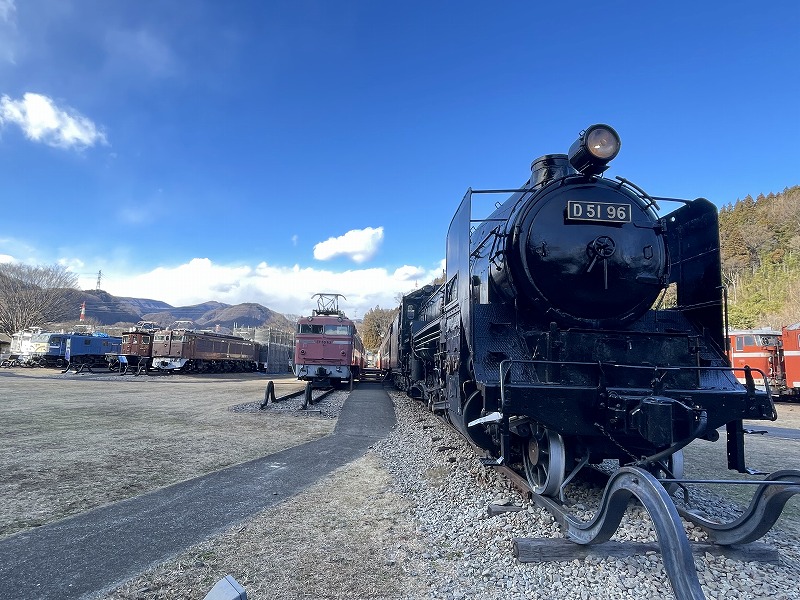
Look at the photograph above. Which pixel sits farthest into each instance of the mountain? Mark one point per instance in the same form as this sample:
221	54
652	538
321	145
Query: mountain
106	309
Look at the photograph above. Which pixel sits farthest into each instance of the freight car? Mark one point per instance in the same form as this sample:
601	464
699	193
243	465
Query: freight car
191	351
328	349
547	346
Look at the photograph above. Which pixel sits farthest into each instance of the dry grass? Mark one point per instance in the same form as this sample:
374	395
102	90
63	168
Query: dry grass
69	443
346	537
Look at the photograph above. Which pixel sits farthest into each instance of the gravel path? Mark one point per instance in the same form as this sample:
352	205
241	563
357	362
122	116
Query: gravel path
409	521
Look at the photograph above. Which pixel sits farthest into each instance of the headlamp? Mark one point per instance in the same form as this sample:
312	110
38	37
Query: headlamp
594	149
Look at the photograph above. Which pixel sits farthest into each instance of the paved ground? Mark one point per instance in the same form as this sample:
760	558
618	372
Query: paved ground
777	432
90	554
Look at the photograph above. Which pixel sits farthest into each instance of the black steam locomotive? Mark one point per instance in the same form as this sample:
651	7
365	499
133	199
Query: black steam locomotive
577	325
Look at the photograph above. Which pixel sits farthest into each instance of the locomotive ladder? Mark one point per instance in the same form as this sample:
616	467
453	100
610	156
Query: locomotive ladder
764	510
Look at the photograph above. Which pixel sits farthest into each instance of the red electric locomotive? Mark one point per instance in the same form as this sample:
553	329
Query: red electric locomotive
790	336
328	350
761	350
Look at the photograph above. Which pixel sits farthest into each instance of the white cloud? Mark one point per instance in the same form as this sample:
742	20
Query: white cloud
357	244
8	31
42	121
140	51
287	290
6	258
409	273
7	9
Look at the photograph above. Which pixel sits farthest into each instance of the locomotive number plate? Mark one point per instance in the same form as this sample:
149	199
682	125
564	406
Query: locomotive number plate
607	212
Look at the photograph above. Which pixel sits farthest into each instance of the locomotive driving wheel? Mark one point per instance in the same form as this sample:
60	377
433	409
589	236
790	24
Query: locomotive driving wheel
545	461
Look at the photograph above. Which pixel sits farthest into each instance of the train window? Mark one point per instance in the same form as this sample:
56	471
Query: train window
126	339
739	343
337	329
410	312
145	339
177	338
749	340
309	328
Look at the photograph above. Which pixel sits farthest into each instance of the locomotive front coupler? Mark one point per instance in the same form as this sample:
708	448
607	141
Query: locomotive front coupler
658	419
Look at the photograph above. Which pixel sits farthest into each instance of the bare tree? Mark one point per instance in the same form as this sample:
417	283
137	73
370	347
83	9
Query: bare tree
35	295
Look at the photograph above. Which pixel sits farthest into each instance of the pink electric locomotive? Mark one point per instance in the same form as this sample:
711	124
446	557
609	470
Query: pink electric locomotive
328	350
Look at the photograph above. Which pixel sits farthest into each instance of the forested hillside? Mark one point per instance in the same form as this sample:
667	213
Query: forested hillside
761	259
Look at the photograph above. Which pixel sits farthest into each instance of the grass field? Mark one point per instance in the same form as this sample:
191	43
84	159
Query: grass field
69	443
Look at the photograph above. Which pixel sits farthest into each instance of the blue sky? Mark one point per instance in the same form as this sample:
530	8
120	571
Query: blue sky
263	151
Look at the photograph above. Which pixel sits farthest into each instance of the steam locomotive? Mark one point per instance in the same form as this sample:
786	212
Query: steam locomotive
577	325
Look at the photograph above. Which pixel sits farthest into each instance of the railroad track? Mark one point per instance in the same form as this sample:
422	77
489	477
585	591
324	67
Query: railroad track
310	395
629	482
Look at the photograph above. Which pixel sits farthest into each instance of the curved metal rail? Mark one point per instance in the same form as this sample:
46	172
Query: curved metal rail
764	510
622	485
269	396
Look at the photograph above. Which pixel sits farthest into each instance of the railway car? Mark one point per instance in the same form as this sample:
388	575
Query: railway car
34	347
135	350
49	349
548	346
89	349
328	349
395	358
191	351
22	344
790	340
760	349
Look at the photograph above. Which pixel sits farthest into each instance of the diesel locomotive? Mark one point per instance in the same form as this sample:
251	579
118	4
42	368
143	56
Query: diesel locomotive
577	323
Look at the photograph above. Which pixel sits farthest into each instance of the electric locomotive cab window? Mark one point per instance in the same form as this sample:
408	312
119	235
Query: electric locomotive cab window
337	330
739	343
309	328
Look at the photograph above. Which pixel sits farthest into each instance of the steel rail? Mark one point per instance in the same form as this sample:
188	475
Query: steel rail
269	395
625	483
763	512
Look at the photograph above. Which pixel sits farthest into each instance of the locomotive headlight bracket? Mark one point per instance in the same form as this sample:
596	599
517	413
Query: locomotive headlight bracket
596	146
